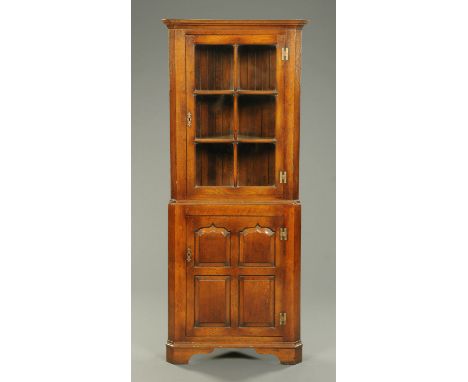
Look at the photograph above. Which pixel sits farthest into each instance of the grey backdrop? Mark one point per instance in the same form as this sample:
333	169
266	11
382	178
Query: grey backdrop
151	193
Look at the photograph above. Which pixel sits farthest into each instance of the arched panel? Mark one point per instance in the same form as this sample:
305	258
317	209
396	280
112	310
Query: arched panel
212	246
257	246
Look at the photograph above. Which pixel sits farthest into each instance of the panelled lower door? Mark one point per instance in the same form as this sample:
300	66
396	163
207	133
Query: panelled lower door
234	275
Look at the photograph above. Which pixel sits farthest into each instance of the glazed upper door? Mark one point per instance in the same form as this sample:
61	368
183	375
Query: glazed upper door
235	116
235	275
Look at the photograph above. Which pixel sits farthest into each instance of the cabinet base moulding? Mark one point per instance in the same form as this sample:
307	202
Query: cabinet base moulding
179	353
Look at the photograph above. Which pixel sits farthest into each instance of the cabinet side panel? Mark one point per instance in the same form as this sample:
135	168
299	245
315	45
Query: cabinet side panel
292	277
292	91
288	112
176	272
171	271
297	117
172	112
297	272
178	117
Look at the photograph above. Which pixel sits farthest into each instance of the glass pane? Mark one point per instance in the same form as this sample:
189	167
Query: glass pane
257	67
256	164
257	116
213	67
214	116
214	164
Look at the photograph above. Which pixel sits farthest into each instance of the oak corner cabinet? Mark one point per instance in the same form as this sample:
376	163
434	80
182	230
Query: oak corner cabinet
234	214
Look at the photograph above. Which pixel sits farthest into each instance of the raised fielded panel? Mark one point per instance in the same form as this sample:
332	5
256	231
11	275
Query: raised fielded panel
257	246
257	301
212	304
212	246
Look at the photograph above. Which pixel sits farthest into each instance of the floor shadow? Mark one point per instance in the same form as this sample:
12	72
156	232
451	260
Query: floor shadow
235	365
234	354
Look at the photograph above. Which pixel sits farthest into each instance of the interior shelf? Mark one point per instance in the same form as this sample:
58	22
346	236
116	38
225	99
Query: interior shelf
230	139
219	139
213	92
232	92
254	139
256	92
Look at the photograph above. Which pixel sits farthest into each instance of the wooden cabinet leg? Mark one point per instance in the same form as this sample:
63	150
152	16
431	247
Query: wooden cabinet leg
181	356
286	356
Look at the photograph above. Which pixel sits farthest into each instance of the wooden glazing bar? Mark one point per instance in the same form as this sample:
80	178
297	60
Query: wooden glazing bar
235	108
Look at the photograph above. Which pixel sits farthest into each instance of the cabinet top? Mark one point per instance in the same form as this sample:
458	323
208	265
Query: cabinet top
203	23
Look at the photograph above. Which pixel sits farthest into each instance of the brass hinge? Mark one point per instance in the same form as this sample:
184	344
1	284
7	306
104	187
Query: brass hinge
284	54
189	119
283	177
282	319
188	255
283	233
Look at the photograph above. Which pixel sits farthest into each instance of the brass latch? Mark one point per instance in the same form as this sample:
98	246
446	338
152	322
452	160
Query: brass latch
282	177
189	119
188	255
282	319
284	54
283	234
